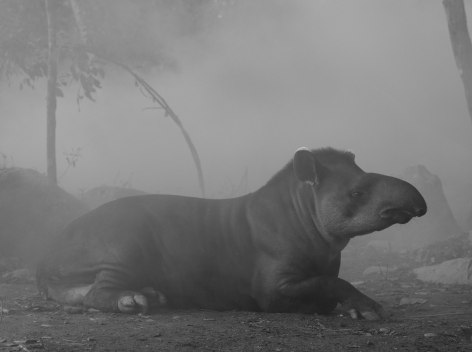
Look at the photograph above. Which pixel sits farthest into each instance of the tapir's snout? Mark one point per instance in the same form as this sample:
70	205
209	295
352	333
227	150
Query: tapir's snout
403	201
401	216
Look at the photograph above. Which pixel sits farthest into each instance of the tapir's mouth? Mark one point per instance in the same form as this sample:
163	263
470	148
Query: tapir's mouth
397	216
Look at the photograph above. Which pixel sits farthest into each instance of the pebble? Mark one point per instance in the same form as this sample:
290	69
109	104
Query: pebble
430	334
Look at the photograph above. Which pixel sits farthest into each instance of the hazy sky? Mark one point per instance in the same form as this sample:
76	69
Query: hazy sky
376	77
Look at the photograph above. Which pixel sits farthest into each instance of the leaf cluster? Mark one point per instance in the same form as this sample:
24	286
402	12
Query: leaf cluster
138	33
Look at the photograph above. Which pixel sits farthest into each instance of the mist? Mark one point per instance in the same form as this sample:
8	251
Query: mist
377	78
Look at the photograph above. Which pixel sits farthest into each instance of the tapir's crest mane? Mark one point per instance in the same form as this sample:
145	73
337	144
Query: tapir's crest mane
323	155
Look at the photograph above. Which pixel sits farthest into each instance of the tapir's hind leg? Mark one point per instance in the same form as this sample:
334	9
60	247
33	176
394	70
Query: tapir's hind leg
69	294
110	293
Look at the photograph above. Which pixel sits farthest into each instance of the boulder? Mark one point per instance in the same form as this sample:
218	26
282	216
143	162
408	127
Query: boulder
454	271
440	251
32	211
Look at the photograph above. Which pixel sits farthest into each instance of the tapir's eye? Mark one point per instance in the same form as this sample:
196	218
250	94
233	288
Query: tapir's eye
356	194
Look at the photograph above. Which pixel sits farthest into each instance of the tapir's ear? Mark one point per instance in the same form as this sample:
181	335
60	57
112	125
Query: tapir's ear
304	165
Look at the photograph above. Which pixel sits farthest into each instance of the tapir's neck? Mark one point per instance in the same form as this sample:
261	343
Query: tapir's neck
305	202
291	210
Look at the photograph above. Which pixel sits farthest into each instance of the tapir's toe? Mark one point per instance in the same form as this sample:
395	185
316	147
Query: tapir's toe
133	302
156	298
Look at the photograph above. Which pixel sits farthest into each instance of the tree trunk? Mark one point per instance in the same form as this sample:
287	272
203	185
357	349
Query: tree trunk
51	92
79	22
461	45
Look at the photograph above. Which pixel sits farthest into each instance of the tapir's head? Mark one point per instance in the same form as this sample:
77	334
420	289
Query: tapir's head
348	201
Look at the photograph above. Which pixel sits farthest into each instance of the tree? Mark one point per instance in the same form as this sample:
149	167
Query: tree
461	45
72	42
51	97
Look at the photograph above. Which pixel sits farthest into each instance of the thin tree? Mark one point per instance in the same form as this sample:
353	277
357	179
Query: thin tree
41	39
461	44
51	95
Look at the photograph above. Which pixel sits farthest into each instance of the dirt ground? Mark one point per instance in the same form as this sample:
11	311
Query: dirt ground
424	317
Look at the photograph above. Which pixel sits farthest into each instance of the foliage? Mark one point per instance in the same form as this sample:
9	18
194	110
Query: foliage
137	33
89	34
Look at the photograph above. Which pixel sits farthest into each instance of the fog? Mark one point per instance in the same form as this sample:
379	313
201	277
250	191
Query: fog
374	77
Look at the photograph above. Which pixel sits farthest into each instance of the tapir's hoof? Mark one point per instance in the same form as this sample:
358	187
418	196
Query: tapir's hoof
368	315
133	302
363	307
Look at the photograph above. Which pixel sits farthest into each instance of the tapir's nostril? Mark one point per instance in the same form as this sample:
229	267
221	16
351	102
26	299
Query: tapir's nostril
397	215
420	211
403	214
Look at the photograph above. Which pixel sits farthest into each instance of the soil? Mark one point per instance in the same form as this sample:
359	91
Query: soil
440	320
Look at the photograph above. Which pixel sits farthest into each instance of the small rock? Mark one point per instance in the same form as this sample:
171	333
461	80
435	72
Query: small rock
18	275
406	301
430	334
99	321
8	344
31	341
378	270
357	283
466	332
73	309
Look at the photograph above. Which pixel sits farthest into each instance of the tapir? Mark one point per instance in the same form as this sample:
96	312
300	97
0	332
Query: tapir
277	249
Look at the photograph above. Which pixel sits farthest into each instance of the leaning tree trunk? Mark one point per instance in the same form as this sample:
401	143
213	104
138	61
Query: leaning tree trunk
51	93
461	45
155	96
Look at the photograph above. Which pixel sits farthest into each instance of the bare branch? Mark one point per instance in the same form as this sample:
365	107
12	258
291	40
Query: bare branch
143	85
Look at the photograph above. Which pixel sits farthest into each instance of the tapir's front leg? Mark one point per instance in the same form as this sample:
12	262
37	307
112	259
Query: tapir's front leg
279	291
326	292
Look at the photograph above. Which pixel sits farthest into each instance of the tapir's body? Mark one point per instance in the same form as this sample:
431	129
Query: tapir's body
277	249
